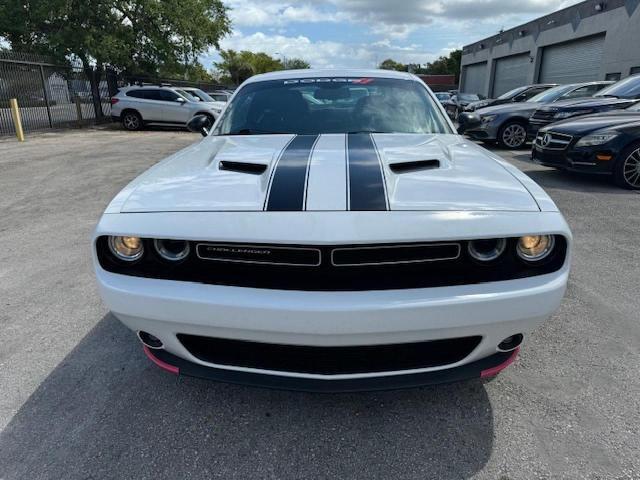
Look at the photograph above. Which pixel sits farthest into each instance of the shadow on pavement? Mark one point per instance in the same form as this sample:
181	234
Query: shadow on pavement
107	412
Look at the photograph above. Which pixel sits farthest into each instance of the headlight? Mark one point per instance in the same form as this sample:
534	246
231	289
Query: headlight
172	250
488	118
487	250
597	139
561	115
534	248
128	249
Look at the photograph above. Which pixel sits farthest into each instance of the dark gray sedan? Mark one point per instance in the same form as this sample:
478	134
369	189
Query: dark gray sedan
507	124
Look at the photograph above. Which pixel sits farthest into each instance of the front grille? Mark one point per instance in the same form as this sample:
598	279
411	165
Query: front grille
329	360
331	268
553	141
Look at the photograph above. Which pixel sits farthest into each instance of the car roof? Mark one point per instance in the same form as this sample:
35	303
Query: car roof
320	73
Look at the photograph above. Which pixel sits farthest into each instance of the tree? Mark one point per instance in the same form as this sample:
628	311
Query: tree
296	64
140	37
238	66
449	65
390	64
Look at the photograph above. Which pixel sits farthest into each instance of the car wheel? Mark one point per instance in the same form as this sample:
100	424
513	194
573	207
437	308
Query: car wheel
626	171
132	121
513	135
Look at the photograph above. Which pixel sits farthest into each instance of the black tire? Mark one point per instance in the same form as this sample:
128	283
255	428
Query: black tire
512	135
131	120
626	171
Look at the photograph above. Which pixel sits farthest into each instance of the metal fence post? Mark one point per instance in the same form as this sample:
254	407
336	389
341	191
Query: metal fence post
17	121
46	95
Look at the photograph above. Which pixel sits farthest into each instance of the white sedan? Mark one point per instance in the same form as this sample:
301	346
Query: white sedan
353	242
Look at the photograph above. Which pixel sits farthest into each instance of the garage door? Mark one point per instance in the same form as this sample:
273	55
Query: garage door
511	72
577	61
475	78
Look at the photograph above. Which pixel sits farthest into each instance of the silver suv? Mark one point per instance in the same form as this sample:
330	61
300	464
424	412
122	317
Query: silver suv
139	106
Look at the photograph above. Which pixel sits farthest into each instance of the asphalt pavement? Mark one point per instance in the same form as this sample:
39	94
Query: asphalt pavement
79	400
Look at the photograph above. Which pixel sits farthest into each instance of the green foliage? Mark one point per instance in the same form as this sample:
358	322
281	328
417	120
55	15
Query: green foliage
296	64
136	36
390	64
238	66
449	65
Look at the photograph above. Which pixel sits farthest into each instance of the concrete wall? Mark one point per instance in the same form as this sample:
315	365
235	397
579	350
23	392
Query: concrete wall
620	21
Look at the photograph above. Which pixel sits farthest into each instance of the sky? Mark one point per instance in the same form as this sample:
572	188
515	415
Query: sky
363	33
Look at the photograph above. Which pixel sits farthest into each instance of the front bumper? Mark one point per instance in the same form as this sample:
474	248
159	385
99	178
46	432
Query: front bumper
485	368
488	131
491	311
575	159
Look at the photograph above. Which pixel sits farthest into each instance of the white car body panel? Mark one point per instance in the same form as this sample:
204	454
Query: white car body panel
473	194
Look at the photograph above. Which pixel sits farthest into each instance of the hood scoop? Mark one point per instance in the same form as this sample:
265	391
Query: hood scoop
243	167
414	166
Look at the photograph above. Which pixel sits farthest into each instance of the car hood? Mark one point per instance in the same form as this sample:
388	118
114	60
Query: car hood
590	123
588	102
333	172
509	108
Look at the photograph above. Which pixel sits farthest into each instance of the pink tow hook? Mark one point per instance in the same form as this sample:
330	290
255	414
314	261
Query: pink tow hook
490	372
160	363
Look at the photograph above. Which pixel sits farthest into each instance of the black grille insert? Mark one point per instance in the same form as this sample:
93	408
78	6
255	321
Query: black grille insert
329	360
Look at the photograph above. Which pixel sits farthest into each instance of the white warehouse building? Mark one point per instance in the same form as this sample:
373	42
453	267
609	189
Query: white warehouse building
592	40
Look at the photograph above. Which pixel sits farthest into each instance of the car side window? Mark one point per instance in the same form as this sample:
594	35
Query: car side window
168	95
136	94
579	92
153	94
532	92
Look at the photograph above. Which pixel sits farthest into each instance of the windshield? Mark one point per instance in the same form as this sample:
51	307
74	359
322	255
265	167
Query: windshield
552	94
309	106
512	93
196	92
188	95
627	88
468	97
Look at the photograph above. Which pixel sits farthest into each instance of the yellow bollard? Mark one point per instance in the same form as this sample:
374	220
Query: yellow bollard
17	121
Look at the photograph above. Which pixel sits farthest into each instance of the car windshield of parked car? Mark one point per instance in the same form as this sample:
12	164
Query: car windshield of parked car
627	88
468	97
201	95
332	105
552	94
512	93
188	95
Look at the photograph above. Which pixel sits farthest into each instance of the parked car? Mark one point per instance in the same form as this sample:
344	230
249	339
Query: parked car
508	124
617	96
458	102
201	96
352	244
136	107
520	94
605	143
220	95
443	97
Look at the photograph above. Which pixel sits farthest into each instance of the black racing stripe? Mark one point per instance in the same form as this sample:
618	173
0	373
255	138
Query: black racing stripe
366	182
289	178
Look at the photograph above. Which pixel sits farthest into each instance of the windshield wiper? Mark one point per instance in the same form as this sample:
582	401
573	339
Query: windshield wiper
607	96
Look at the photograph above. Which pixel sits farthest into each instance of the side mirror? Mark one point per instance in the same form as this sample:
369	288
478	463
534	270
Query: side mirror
200	124
468	121
180	100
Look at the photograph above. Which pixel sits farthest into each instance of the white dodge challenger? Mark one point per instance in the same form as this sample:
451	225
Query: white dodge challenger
332	232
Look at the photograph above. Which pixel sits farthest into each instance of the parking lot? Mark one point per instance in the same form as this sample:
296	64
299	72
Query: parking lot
80	399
